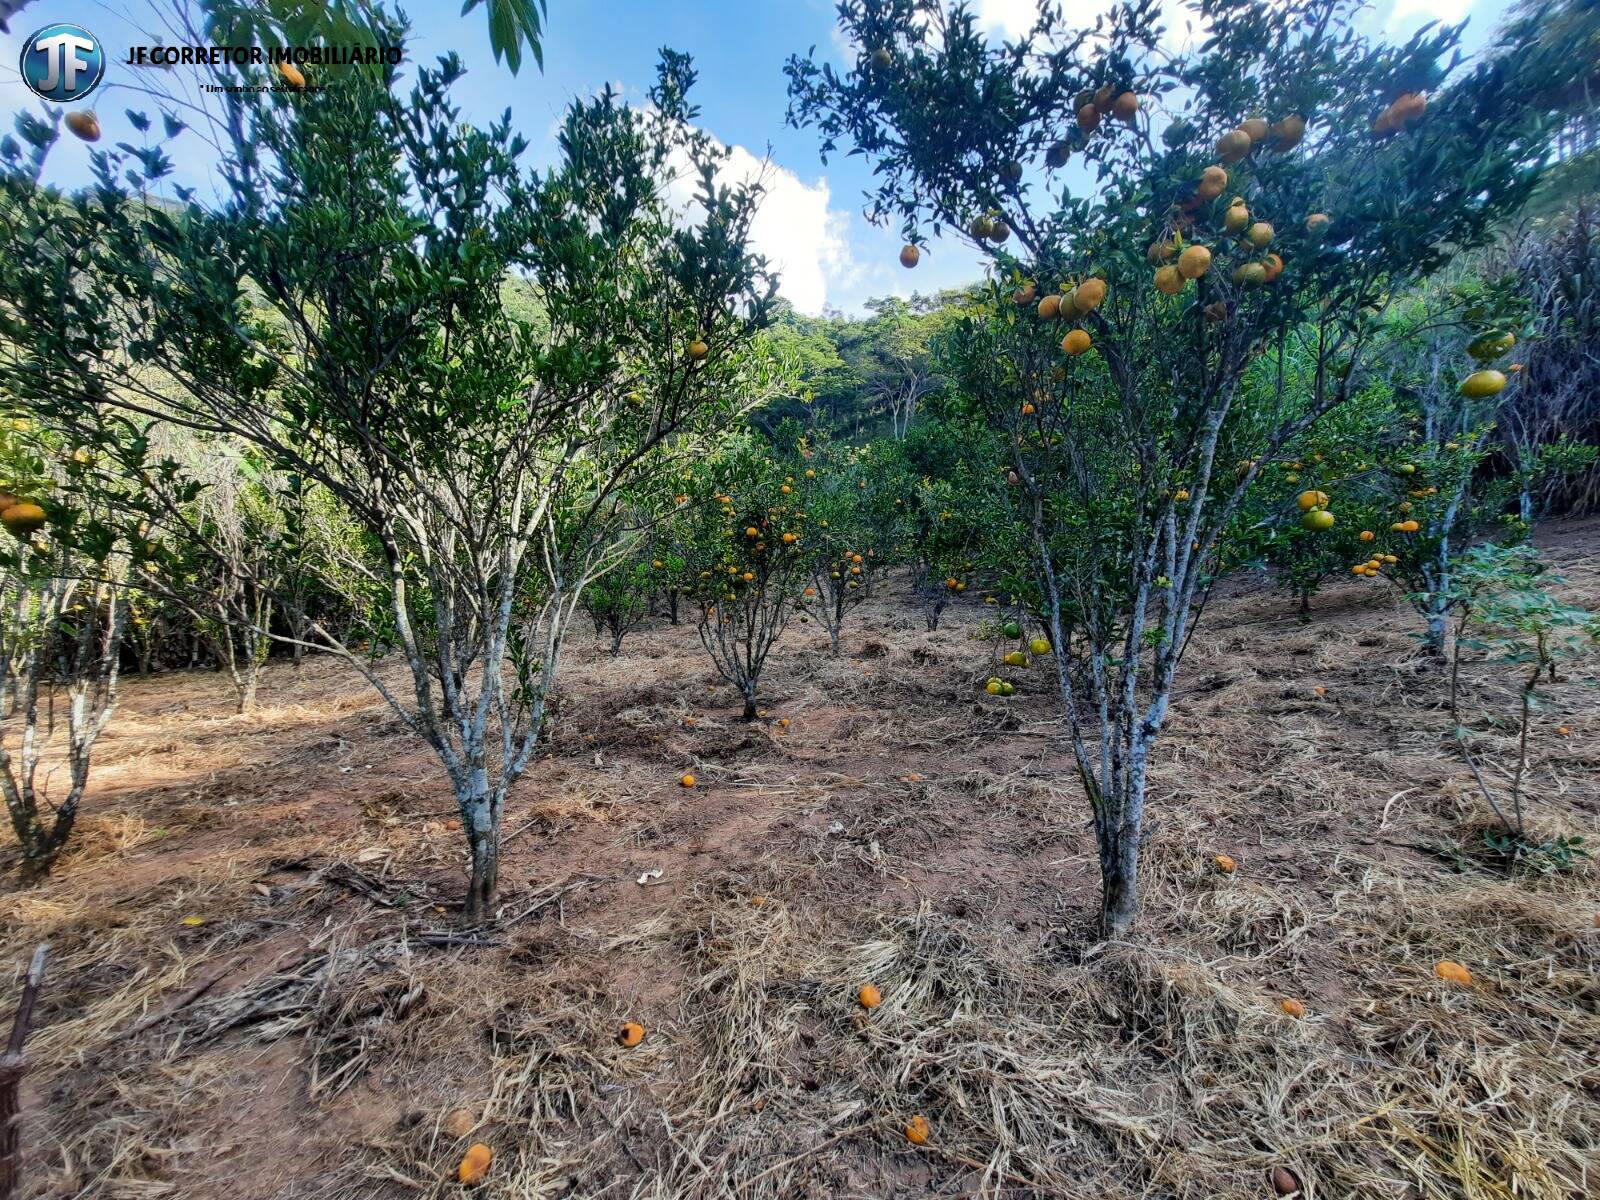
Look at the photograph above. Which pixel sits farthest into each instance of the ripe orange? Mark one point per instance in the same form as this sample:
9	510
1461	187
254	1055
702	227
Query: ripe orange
1256	127
1125	107
1452	972
1233	145
1292	1006
1076	342
474	1164
1317	222
687	781
1088	118
909	256
1169	282
917	1130
698	349
631	1034
1285	135
869	996
1225	864
1089	295
1050	307
292	75
23	519
84	124
1260	235
1367	535
1194	262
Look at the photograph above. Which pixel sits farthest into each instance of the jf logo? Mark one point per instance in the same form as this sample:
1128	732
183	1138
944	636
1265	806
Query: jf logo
62	62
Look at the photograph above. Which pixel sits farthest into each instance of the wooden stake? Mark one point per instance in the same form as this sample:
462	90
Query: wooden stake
12	1067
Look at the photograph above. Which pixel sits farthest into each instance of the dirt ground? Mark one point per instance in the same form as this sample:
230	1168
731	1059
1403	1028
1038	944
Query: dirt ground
261	986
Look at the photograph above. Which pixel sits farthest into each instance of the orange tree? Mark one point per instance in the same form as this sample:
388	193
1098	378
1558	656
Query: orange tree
348	311
1272	184
65	562
951	516
746	559
847	495
1312	514
1435	479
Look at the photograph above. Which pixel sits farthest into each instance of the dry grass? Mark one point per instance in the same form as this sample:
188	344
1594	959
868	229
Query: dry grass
311	1036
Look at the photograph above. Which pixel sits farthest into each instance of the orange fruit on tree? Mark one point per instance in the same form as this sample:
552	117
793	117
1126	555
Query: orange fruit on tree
1237	217
1125	107
84	124
1050	307
1260	235
292	74
1480	385
1286	134
1076	342
1089	295
1273	265
1256	128
1212	181
698	349
1318	222
1194	262
1169	281
1409	107
23	519
1088	118
1233	145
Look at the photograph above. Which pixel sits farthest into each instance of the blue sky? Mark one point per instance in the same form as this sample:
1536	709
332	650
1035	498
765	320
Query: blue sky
811	226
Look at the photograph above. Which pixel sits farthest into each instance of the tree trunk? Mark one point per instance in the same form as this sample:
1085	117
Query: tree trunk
1119	892
483	840
750	701
1433	641
248	683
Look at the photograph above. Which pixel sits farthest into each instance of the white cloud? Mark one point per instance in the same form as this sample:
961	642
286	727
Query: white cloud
1012	18
1445	11
803	238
